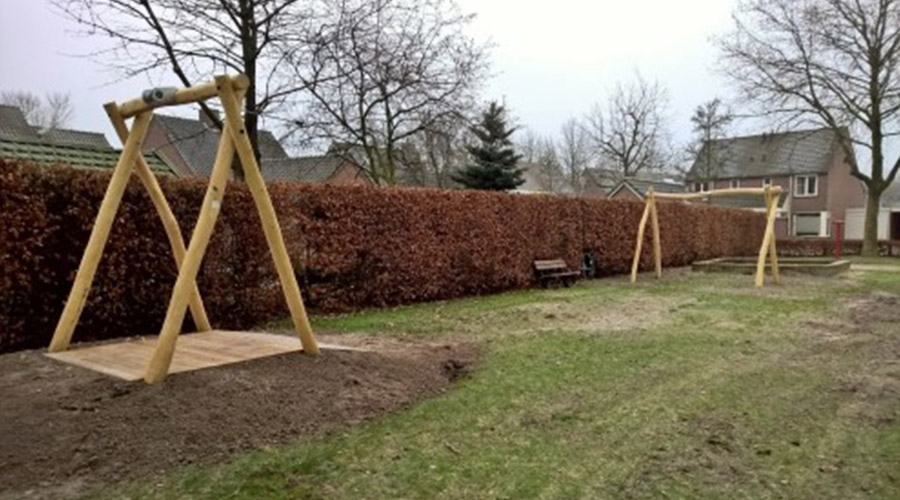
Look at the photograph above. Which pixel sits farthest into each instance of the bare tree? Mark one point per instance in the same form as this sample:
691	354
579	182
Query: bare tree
549	170
55	110
829	62
442	145
529	146
629	133
706	152
195	39
574	153
378	72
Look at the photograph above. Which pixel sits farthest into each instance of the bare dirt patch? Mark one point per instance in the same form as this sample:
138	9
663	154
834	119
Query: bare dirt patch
65	430
878	308
635	312
867	329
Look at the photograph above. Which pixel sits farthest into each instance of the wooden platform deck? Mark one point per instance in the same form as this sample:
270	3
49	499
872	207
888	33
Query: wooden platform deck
193	351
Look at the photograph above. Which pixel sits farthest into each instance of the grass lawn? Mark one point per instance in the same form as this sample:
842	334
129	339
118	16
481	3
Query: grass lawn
696	386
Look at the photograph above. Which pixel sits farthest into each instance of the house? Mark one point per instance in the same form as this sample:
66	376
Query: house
189	147
888	217
20	141
324	169
808	165
540	179
635	188
597	182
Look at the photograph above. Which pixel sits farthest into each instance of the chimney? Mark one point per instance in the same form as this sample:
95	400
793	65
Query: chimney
204	119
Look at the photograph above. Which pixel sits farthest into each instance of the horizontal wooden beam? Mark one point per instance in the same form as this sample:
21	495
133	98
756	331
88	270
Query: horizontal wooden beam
160	97
718	193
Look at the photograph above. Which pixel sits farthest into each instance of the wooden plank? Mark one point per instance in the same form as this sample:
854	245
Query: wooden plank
267	216
62	336
170	224
196	351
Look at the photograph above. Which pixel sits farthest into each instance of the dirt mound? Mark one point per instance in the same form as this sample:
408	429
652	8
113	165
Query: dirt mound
65	430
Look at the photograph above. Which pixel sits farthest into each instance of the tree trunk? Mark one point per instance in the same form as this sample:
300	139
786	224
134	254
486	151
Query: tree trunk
870	231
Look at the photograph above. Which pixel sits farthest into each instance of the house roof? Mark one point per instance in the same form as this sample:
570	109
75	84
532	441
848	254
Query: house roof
197	142
805	151
77	156
303	169
641	186
13	125
70	137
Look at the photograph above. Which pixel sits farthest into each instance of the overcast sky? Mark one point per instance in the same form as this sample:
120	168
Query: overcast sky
551	60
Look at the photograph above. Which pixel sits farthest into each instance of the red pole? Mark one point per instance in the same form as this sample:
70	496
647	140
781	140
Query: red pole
838	236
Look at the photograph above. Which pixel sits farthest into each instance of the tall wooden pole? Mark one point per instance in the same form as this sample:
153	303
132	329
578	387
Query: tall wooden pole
767	240
773	248
170	224
99	235
187	275
640	242
654	224
272	230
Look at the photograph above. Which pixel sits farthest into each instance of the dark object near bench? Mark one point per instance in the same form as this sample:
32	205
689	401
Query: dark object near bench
554	270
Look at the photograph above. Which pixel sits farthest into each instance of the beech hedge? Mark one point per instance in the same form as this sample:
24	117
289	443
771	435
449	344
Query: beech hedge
352	247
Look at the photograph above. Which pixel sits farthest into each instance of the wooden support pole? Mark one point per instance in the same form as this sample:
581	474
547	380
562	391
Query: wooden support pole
199	92
99	234
187	275
767	240
773	248
272	230
640	242
170	224
717	193
654	224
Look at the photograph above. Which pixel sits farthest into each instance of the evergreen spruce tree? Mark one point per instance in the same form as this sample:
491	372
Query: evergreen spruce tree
494	159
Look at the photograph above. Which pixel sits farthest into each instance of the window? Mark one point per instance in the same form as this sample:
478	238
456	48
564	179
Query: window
807	224
701	186
806	186
767	181
735	183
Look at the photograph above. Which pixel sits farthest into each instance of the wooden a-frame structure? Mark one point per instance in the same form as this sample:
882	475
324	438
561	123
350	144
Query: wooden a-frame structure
230	91
770	195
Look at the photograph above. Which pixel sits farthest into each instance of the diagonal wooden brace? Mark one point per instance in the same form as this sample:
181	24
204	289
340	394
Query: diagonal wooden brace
99	234
267	216
206	221
170	223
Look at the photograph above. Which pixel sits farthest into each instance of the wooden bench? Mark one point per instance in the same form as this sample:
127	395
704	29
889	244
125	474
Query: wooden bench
554	270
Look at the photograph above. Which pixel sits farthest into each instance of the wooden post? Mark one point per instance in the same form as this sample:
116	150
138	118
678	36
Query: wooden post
640	242
170	224
654	224
767	240
267	216
206	221
773	249
99	234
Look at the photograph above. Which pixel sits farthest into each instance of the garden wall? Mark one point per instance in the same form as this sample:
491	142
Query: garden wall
353	247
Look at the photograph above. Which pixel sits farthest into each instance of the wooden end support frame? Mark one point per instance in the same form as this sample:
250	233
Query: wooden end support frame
768	249
234	139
